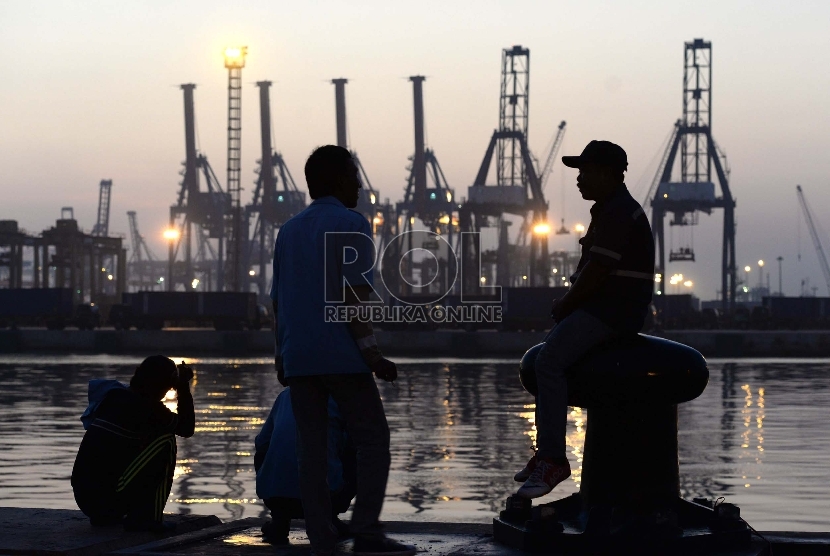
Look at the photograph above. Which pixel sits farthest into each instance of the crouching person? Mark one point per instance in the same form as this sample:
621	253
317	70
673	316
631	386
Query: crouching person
124	467
277	473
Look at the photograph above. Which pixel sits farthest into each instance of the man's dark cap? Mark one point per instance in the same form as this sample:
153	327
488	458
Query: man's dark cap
601	153
155	373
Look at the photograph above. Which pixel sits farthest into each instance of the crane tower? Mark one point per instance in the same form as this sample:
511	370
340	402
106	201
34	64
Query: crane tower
518	189
699	156
276	197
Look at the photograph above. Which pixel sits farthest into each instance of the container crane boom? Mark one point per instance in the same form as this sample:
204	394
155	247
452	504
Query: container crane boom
551	158
140	250
822	258
102	226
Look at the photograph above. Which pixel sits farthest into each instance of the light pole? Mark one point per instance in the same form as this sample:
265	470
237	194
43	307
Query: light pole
780	288
234	62
760	274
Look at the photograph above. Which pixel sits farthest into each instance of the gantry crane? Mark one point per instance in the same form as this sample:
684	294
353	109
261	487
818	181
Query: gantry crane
202	212
517	191
102	225
145	270
699	158
432	203
276	198
822	258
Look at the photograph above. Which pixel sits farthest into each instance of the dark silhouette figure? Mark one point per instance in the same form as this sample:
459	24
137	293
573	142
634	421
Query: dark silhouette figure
277	472
320	357
610	294
124	467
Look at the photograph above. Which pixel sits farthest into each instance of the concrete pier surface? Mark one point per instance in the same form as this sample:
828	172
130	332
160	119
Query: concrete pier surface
437	343
67	532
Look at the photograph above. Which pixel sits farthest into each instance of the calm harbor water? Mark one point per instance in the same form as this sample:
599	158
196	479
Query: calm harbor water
759	436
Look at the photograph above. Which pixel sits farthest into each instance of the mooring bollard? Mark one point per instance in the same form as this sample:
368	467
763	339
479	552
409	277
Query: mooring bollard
629	494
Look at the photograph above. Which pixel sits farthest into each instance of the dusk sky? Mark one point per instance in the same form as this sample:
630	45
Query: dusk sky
90	91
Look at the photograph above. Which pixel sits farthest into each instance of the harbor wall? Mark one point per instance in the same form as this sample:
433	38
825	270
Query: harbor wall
440	343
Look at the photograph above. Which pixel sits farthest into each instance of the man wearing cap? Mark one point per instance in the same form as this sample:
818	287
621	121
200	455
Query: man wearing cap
609	297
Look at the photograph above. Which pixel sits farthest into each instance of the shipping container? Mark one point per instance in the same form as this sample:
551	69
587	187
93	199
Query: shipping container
222	310
50	307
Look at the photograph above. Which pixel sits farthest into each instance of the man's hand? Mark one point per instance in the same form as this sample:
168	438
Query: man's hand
185	375
384	369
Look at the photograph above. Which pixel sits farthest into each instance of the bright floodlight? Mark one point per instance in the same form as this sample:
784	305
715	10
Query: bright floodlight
541	229
747	268
579	228
761	262
171	234
688	283
235	57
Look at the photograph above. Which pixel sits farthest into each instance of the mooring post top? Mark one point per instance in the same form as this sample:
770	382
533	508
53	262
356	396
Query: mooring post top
630	370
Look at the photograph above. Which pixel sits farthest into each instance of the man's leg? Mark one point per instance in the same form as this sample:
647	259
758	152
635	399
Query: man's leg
145	485
568	342
359	402
309	401
99	504
283	510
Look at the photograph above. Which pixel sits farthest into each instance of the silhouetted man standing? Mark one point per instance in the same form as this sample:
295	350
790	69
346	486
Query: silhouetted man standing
323	259
610	293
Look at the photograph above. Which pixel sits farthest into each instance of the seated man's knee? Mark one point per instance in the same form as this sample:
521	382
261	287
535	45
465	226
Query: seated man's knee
546	362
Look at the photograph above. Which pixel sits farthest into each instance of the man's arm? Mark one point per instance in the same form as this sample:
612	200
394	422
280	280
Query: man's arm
593	274
364	334
277	355
186	424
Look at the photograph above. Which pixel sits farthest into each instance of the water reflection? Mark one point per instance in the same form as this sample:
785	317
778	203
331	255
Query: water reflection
757	436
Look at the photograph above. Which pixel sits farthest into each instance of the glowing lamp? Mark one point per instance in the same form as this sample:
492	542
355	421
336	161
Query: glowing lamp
541	229
235	57
171	234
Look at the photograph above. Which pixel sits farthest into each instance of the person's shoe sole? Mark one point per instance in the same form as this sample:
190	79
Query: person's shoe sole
534	492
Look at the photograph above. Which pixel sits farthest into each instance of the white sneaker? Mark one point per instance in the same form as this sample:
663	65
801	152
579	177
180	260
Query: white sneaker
544	478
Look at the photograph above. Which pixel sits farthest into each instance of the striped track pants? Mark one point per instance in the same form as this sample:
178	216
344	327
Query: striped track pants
159	454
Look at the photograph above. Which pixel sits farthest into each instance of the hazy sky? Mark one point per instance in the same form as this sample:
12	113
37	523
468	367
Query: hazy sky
90	91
